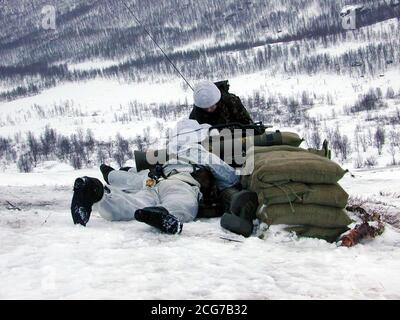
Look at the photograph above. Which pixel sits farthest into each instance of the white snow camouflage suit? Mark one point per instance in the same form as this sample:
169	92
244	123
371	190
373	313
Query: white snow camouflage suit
179	194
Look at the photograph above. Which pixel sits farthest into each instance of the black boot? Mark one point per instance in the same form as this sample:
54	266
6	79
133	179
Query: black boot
87	191
226	196
242	213
105	170
160	218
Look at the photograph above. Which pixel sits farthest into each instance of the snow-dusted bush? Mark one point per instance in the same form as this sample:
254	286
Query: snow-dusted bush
34	146
329	99
5	146
394	138
24	163
306	100
379	138
393	152
315	138
119	158
78	147
390	93
371	161
141	142
370	101
76	161
394	146
397	116
340	144
295	112
90	141
79	150
101	156
358	162
123	152
48	141
63	148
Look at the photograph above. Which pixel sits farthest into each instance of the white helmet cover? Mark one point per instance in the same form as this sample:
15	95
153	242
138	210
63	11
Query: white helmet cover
206	94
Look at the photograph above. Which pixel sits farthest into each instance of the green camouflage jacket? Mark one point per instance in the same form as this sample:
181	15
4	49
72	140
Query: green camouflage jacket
229	109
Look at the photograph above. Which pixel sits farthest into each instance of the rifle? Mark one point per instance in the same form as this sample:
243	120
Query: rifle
258	127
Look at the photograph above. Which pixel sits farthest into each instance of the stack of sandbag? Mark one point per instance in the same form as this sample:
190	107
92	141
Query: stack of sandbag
300	189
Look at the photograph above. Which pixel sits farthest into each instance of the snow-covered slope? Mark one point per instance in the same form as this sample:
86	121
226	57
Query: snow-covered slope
306	79
91	105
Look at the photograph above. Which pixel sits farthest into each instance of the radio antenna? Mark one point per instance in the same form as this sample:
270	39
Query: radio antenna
155	42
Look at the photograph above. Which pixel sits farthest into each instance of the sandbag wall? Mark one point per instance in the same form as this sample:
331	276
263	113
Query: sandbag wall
300	189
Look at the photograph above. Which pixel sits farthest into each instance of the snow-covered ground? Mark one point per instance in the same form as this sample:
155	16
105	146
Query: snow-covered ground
44	256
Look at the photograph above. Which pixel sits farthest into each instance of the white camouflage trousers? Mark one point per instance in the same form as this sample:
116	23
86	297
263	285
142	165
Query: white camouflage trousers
128	194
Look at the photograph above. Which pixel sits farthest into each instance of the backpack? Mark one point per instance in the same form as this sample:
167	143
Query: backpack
223	86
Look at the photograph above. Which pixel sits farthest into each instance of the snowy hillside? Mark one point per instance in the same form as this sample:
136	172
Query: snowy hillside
96	89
